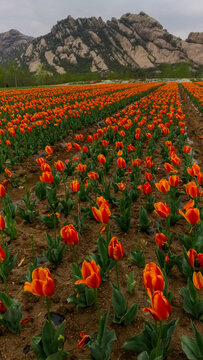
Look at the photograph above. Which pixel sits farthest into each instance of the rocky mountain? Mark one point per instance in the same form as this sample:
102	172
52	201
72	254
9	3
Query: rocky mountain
10	41
90	44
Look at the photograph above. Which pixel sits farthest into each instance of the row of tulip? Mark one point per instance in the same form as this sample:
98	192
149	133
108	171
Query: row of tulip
56	117
120	152
195	92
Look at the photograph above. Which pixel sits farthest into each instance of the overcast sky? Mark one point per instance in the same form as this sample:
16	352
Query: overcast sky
36	17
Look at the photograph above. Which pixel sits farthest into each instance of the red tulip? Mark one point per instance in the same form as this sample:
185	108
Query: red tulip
91	275
115	249
2	255
75	186
42	283
2	191
160	308
47	177
2	223
69	234
59	165
162	209
198	280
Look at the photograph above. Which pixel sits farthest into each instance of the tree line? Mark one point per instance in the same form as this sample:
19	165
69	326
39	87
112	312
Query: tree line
15	76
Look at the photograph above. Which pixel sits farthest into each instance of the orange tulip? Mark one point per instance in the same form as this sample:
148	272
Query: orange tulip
40	161
146	188
42	283
162	209
2	223
200	178
121	186
198	280
101	201
84	339
81	167
153	278
130	147
45	167
75	186
120	153
175	160
119	145
163	186
47	177
79	137
2	255
69	234
121	163
8	172
2	191
59	165
2	308
90	139
102	214
101	158
69	146
194	170
169	168
162	241
91	275
148	162
191	189
148	176
174	180
85	149
115	249
187	149
93	175
189	204
105	143
195	259
160	308
49	150
77	146
192	215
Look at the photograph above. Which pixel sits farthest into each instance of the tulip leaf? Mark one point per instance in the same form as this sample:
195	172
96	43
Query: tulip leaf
130	314
101	348
119	303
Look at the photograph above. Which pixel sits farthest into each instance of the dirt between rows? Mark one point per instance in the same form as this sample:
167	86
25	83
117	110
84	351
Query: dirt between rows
12	347
194	121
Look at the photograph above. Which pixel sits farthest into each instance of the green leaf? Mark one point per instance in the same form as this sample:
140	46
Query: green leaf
198	338
90	296
138	344
119	303
38	348
143	356
130	315
190	348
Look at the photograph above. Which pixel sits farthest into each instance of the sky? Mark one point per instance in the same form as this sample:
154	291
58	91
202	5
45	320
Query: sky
36	17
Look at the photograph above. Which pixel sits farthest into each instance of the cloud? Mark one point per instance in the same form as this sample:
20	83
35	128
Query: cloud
36	17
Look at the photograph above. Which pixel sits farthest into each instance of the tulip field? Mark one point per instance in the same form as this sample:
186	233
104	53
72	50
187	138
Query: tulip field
101	222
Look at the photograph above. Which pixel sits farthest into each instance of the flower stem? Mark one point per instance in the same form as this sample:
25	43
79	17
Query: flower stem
32	245
99	319
2	239
159	340
117	275
48	309
78	210
75	255
4	279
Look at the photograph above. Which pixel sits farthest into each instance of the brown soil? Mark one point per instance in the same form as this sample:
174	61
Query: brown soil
86	319
194	121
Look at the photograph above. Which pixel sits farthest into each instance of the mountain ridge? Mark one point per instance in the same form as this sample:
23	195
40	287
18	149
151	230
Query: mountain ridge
92	44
